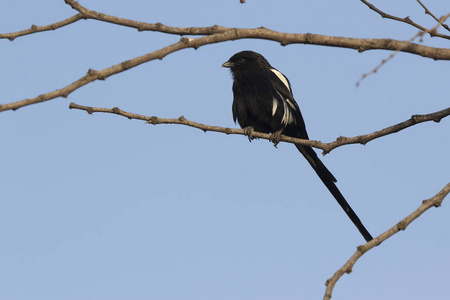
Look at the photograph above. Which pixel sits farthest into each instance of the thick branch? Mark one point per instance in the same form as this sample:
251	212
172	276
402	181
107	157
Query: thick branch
216	34
406	20
283	38
326	147
435	201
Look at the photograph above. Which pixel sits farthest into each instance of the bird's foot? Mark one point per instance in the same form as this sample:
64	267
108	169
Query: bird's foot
275	138
248	131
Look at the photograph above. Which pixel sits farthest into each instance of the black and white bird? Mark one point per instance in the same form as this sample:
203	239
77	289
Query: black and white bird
263	101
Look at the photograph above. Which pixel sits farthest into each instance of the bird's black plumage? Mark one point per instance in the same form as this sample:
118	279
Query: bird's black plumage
263	101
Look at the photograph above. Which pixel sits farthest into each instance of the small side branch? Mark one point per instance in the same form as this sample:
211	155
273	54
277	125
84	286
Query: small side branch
428	12
419	34
435	201
326	147
406	20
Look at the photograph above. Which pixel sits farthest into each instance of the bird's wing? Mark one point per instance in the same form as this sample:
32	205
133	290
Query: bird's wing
283	95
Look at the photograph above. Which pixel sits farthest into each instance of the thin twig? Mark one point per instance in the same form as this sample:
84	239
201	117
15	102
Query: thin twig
435	201
419	34
406	20
33	29
428	12
326	147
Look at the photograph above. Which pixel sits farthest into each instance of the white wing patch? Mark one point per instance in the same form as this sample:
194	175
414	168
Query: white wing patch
288	105
274	106
288	116
282	78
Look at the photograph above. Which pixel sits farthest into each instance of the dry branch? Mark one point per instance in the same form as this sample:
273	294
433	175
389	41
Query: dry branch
406	20
233	34
435	201
34	28
419	34
428	12
326	147
214	34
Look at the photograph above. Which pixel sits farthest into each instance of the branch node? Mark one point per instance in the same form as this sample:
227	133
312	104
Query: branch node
341	139
182	119
402	225
186	40
92	72
90	110
363	141
437	204
34	27
116	110
153	120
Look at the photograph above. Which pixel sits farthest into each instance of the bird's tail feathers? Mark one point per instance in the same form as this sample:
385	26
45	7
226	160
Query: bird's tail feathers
329	180
316	163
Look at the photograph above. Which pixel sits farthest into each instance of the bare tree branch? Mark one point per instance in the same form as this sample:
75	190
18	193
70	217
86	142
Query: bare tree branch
419	34
34	28
214	34
406	20
234	34
326	147
428	12
435	201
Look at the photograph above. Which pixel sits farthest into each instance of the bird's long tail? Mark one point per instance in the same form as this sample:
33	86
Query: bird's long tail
329	181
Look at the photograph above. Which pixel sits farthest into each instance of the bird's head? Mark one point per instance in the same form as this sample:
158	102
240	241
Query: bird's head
246	60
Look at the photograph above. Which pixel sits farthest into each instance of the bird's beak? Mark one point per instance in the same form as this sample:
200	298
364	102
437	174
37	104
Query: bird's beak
228	64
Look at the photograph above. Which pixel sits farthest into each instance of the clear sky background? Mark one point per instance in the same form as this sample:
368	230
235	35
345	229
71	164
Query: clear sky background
102	207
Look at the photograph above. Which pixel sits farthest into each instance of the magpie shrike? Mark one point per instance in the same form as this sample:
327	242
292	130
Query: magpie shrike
263	101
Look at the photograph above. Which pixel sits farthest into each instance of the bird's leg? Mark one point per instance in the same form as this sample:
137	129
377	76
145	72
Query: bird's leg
275	137
248	131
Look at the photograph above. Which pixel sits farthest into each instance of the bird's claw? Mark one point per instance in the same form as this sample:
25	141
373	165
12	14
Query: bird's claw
248	131
275	138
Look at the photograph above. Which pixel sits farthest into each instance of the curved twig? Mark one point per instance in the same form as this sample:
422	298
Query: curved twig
419	34
33	29
326	147
428	12
435	201
406	20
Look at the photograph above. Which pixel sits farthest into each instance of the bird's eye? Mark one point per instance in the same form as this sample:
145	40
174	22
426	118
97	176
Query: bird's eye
242	60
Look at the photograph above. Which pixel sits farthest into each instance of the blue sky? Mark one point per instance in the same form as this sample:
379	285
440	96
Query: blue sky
102	207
